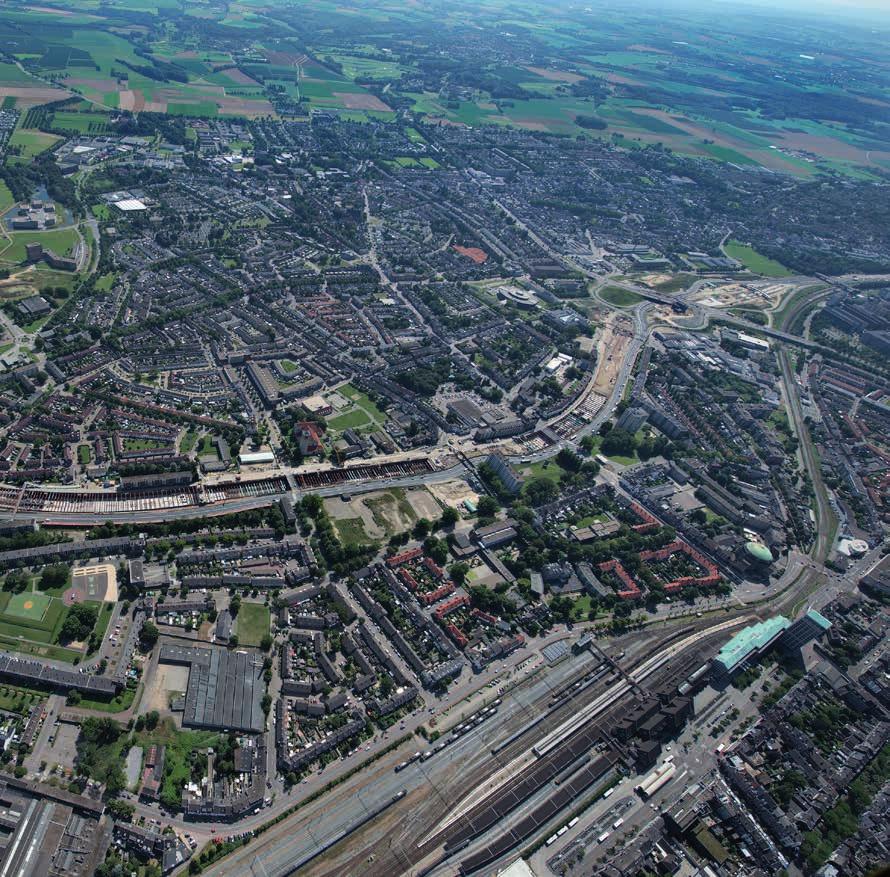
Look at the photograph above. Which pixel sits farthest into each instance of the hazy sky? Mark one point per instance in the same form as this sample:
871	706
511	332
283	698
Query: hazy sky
873	9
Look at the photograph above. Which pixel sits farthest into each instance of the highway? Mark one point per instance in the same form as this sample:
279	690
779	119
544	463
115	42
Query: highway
826	520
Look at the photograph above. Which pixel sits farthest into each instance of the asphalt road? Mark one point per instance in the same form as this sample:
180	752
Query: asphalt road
826	520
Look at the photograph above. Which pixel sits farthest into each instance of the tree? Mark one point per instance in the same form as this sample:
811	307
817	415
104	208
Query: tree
569	460
54	576
487	507
235	605
540	491
121	810
79	622
459	572
422	528
449	517
16	581
148	636
233	641
266	642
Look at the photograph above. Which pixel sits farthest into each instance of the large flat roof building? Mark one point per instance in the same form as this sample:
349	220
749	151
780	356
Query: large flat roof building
225	688
748	644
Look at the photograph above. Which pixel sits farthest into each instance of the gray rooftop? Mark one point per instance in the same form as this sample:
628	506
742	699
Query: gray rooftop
225	688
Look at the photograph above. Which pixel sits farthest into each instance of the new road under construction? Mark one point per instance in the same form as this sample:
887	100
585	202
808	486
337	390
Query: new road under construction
489	789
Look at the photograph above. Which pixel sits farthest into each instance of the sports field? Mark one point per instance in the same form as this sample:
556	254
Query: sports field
33	616
30	606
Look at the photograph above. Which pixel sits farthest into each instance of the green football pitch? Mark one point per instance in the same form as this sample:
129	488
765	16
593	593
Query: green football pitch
30	606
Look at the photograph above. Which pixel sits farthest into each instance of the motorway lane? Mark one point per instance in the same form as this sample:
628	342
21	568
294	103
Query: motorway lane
826	520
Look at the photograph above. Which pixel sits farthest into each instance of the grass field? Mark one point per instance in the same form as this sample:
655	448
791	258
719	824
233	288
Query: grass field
30	622
6	199
187	442
39	650
351	531
252	623
754	261
363	414
118	704
60	240
82	123
139	444
13	698
621	298
779	316
24	143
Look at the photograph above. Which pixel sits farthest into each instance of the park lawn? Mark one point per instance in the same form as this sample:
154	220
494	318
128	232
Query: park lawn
590	520
543	469
138	444
352	419
13	697
106	281
754	261
101	211
712	516
103	620
252	623
37	325
188	441
363	413
40	650
60	240
117	704
581	608
615	458
351	531
288	367
84	454
621	298
206	447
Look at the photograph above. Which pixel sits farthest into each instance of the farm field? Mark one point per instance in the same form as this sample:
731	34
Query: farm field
26	143
6	199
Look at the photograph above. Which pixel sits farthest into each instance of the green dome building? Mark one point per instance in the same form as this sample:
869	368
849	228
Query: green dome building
758	552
